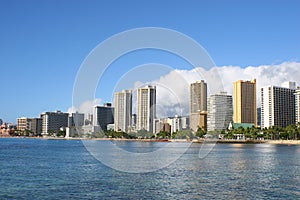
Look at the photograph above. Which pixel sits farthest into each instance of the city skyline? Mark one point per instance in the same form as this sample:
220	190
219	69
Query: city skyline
44	51
279	107
133	99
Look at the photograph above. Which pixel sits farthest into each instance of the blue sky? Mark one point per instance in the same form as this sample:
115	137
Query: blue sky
43	43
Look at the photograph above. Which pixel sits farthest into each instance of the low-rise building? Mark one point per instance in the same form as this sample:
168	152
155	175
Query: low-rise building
31	125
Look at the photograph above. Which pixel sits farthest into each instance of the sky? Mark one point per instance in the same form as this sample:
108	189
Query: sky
43	44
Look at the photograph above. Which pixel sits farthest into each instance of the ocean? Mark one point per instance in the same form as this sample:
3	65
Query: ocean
65	169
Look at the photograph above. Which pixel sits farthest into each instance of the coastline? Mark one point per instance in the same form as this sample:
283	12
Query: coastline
287	142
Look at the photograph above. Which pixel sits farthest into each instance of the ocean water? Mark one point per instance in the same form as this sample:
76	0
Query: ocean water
64	169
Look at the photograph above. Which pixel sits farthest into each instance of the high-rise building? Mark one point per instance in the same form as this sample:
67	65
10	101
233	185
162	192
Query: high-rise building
123	110
75	119
103	115
133	120
258	117
53	121
198	96
220	111
244	94
277	106
89	119
146	107
198	105
297	105
34	125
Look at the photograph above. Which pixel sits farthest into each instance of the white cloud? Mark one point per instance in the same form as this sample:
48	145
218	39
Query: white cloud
86	107
264	74
173	88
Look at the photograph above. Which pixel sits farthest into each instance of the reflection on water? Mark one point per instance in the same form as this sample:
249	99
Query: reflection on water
39	169
129	159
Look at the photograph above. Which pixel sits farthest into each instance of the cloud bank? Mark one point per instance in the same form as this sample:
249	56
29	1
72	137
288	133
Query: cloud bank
173	88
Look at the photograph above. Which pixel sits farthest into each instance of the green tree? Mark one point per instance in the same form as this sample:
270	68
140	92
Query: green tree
163	135
183	134
200	132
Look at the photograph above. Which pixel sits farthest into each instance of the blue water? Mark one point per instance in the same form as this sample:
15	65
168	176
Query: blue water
64	169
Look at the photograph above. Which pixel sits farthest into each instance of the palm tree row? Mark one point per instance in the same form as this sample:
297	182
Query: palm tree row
291	132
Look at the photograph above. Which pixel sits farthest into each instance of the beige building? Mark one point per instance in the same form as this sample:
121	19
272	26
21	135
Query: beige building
244	94
199	120
30	124
198	96
23	123
198	105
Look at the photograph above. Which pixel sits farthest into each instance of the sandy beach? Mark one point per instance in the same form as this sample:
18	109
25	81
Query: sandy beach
289	142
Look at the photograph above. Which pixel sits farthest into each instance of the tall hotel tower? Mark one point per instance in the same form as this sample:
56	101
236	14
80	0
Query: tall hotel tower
278	105
198	105
146	110
102	116
123	110
244	94
219	111
297	105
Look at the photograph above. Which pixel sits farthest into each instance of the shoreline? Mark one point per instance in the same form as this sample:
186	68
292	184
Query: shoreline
287	142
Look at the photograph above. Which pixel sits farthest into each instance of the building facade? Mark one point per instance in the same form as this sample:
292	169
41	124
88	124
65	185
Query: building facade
297	105
146	108
220	111
53	121
198	105
23	123
123	110
277	106
33	125
244	94
76	119
103	115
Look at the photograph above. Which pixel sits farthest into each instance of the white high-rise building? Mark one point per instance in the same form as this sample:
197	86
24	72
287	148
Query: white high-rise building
220	111
297	105
277	106
146	107
123	110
